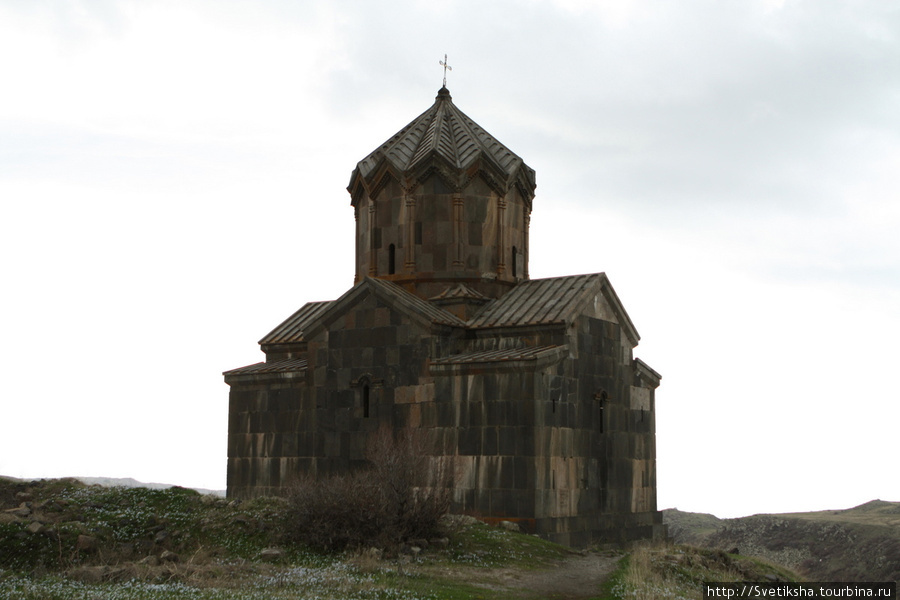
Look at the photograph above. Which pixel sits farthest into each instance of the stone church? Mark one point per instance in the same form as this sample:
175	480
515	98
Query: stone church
528	386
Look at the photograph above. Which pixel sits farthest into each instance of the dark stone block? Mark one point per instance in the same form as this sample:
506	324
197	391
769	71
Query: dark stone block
525	442
506	440
482	503
507	473
470	441
525	504
523	473
489	441
476	412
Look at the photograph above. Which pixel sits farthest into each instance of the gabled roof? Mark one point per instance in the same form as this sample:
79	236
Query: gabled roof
445	132
552	301
394	295
291	330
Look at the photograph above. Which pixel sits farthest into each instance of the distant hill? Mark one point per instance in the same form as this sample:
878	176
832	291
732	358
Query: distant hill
128	482
854	544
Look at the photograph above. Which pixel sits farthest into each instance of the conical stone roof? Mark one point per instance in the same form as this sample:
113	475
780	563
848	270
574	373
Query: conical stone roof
445	133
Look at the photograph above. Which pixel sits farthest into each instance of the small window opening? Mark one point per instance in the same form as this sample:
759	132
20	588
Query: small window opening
601	397
602	403
365	401
515	259
392	255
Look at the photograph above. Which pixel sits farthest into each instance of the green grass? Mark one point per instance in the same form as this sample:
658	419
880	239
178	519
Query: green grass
482	546
219	543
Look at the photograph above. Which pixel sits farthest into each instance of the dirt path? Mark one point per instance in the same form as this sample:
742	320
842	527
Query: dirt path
576	578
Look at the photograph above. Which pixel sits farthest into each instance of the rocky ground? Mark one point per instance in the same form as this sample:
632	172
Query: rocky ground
64	540
855	544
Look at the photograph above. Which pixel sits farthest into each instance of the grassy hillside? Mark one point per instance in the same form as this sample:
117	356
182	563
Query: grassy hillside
63	540
856	544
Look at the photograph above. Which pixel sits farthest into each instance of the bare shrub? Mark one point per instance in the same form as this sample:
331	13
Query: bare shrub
401	496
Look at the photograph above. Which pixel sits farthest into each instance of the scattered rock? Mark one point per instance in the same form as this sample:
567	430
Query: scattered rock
440	542
86	543
510	526
24	496
8	517
22	511
161	536
169	556
271	554
151	561
36	527
458	520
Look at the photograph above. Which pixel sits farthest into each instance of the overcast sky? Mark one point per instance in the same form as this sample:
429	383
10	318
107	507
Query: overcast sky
172	183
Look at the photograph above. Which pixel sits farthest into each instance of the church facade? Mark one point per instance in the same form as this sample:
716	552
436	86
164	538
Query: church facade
528	387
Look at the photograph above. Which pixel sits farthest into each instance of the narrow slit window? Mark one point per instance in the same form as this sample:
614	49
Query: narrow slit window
365	401
515	259
392	255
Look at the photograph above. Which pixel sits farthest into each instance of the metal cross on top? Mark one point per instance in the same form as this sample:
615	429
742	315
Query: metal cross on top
447	67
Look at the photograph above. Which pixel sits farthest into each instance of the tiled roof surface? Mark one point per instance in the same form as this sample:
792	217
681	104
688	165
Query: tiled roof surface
291	330
448	132
539	301
495	356
281	366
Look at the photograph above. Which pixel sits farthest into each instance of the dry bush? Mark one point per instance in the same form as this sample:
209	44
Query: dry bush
401	496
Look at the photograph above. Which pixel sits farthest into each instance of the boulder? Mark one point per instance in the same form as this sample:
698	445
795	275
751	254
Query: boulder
510	526
271	554
36	527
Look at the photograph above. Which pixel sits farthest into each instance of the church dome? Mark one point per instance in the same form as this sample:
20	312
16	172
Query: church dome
445	135
440	204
